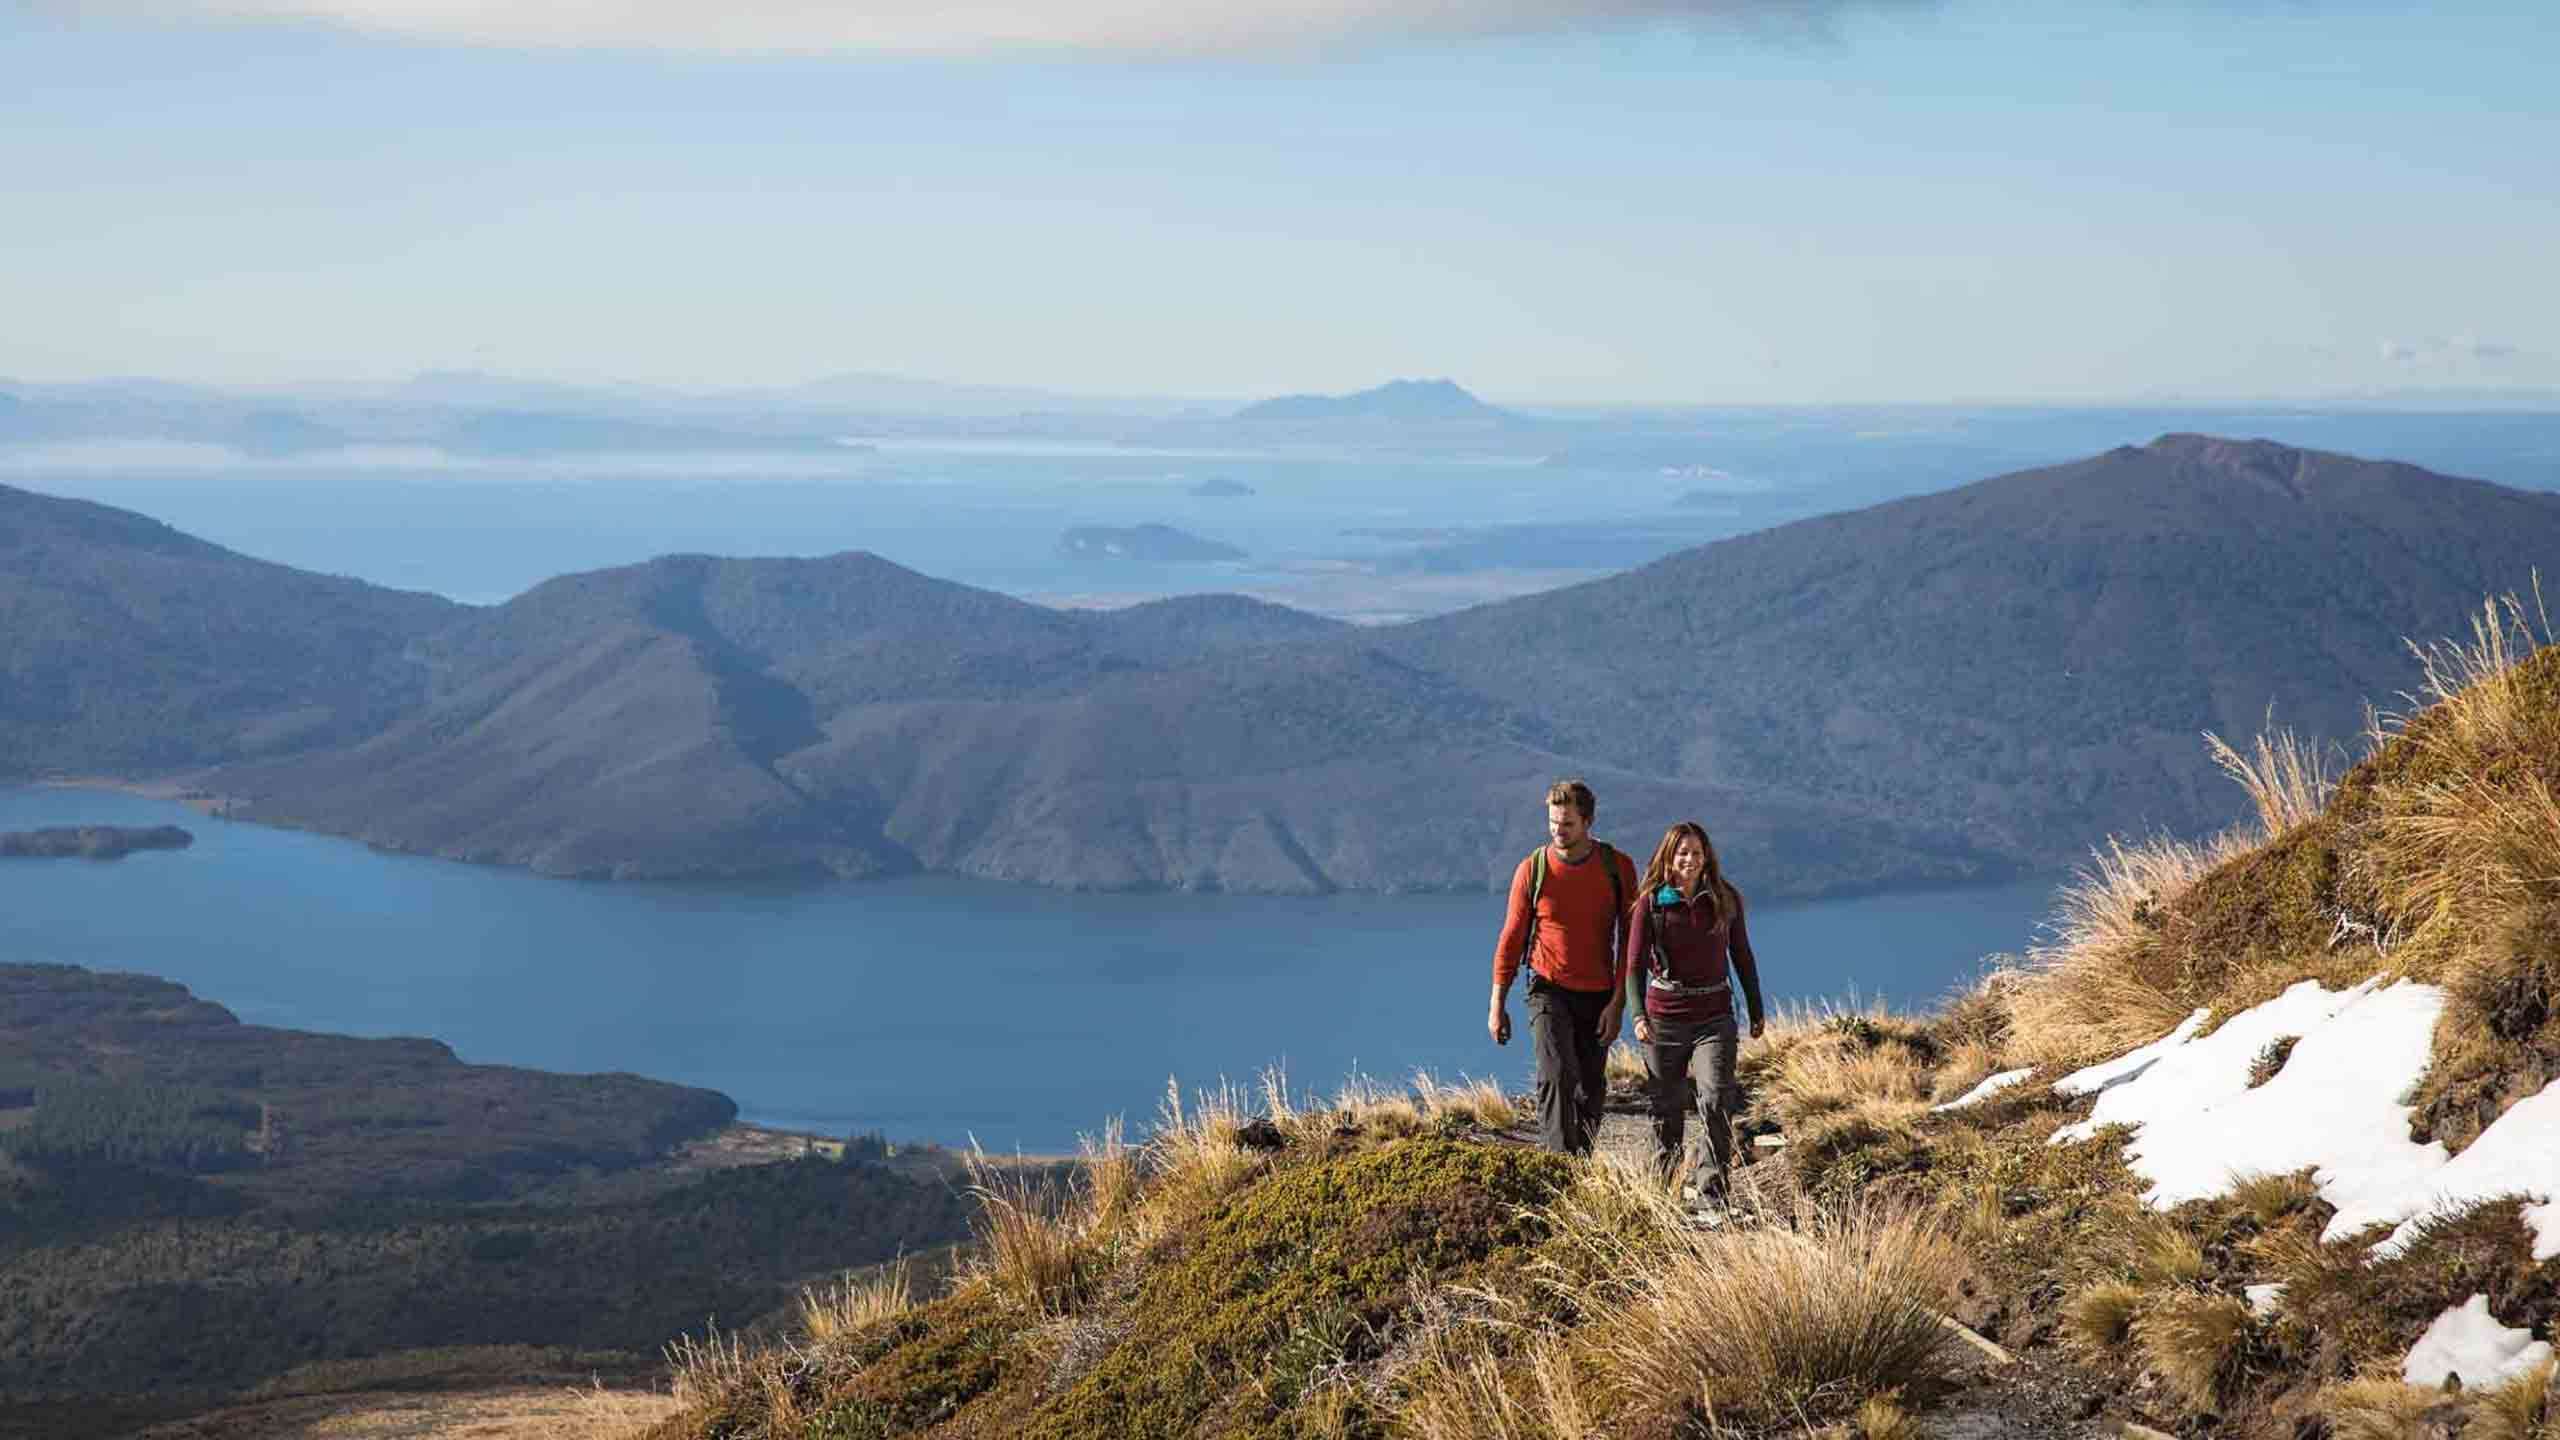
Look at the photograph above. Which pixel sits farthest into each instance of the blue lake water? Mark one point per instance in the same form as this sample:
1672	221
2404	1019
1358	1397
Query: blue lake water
928	1008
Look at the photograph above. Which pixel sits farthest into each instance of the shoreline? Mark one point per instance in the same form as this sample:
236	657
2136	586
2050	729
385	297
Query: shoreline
173	789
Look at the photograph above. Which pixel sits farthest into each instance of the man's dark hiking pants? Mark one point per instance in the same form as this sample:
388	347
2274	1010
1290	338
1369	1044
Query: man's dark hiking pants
1676	1047
1573	1075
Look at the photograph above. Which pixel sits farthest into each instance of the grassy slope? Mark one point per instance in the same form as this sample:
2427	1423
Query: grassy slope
1389	1270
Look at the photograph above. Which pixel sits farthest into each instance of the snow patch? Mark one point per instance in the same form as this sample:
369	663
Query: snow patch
1986	1089
2109	1073
2468	1341
2335	1108
2519	1154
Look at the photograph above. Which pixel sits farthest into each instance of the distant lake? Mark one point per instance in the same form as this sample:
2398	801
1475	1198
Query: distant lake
925	1008
928	1008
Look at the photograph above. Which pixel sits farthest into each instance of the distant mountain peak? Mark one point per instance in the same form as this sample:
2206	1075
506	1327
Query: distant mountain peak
2267	464
1433	399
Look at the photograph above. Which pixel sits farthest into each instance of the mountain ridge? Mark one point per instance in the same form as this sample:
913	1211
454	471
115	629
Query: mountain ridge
1952	687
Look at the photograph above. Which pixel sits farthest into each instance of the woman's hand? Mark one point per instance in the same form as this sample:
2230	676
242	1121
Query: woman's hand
1644	1031
1759	1027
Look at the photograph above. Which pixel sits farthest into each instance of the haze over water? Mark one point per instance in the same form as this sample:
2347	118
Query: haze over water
928	1008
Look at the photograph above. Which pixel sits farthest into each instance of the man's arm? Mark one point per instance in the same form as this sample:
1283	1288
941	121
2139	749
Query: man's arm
1506	954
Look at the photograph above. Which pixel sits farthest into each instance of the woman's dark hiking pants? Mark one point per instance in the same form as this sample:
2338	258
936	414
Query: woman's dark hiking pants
1708	1046
1573	1063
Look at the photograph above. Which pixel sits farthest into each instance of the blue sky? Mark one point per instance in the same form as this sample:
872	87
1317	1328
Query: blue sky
1549	200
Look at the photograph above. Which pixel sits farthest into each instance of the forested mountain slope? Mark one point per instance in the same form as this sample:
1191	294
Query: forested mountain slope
1955	686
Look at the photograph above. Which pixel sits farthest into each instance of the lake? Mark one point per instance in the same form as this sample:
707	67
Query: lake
928	1008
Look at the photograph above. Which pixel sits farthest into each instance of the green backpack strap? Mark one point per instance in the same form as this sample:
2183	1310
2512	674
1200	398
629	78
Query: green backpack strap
1608	858
1537	886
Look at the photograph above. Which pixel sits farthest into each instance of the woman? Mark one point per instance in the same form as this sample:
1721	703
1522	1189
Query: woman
1683	930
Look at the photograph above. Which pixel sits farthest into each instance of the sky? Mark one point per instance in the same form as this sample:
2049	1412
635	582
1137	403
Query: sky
1551	201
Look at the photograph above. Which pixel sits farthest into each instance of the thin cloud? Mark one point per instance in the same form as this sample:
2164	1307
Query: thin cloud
980	27
2451	352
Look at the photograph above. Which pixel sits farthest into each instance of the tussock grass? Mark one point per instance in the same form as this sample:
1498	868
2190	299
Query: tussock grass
1032	1238
1192	1161
1811	1318
706	1369
1111	1180
1843	1069
2101	1316
2107	982
1379	1109
1626	1069
2381	1409
1969	1064
2269	1199
855	1303
2199	1344
1464	1384
1483	1103
2159	1251
2287	778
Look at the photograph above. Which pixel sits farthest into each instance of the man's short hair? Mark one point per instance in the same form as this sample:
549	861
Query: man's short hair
1574	793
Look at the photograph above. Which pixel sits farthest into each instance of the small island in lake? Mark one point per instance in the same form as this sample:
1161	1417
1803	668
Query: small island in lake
91	842
1160	544
1219	487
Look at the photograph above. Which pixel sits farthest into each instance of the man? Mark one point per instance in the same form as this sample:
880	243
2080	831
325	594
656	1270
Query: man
1568	900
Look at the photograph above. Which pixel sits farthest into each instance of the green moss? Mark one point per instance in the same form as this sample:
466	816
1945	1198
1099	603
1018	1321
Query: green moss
2277	901
2344	1311
923	1370
1326	1251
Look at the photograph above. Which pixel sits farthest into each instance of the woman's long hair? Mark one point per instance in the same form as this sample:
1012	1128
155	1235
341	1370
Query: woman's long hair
1723	901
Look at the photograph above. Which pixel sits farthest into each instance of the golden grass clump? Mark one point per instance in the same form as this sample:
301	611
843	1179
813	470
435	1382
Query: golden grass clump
1032	1240
1378	1109
2268	1199
2199	1344
1969	1064
1627	1068
1112	1184
2457	798
856	1302
2286	777
1811	1317
708	1369
1842	1070
1462	1384
2108	982
1832	1058
2377	1408
1483	1103
2101	1316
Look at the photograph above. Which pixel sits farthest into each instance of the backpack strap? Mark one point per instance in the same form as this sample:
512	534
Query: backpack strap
1608	858
1537	885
